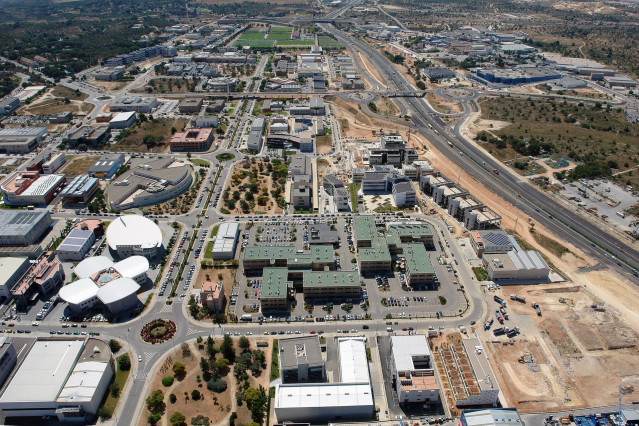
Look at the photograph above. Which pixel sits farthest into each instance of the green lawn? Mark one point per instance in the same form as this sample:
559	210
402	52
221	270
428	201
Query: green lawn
109	403
278	36
257	44
354	189
208	254
295	43
481	274
226	156
252	35
281	30
214	231
275	363
201	163
329	43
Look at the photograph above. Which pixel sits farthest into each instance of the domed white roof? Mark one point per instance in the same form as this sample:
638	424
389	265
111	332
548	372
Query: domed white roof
132	266
133	231
79	291
117	290
91	265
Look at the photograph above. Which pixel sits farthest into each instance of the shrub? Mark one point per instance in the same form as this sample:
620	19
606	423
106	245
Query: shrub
172	398
177	419
154	418
179	370
195	394
114	345
216	385
200	420
124	362
167	381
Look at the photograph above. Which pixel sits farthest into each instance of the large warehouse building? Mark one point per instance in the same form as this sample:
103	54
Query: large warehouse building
80	189
225	241
517	266
30	188
134	235
23	228
66	379
11	270
114	285
349	399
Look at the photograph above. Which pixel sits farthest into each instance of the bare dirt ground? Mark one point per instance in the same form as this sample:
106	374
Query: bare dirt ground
110	86
57	99
386	107
572	347
226	275
217	411
78	165
363	60
357	125
442	105
324	144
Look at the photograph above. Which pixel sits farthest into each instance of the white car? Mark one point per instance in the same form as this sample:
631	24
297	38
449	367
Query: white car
139	358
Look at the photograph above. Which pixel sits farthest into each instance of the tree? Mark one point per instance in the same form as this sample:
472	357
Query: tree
421	85
244	343
216	385
227	349
186	351
83	147
220	367
167	381
172	398
154	418
177	419
114	345
155	402
195	395
256	402
124	362
179	370
115	390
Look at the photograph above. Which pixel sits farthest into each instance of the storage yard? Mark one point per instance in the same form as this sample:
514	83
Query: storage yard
559	359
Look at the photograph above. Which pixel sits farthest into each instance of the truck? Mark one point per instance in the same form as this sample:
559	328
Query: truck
512	333
499	300
488	324
517	298
537	308
500	318
500	331
496	171
246	317
504	313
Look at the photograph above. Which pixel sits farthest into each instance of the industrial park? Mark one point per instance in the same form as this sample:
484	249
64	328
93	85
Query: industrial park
338	213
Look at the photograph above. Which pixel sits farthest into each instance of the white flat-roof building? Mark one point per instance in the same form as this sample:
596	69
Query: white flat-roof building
225	241
123	120
350	399
491	417
134	235
520	266
66	379
413	368
101	281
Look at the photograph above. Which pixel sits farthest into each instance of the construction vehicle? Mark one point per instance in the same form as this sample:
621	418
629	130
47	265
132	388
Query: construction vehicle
488	324
517	298
503	313
525	359
499	300
566	301
535	305
499	317
512	333
499	331
599	307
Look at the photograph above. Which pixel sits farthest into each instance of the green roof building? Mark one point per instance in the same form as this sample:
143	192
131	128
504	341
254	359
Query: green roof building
275	289
332	284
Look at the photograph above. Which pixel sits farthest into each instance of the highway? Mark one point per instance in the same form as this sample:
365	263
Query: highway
561	221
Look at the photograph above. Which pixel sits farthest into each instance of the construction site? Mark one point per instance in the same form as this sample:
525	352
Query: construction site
571	350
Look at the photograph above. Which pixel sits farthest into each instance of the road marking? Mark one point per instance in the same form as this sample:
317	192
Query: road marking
192	331
140	376
166	308
148	356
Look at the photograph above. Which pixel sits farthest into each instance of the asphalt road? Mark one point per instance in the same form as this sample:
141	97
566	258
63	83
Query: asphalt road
562	222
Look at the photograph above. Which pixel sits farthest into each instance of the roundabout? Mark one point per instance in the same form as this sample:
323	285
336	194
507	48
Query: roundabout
158	331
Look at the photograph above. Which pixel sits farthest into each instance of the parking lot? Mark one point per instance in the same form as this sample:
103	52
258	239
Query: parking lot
605	199
381	296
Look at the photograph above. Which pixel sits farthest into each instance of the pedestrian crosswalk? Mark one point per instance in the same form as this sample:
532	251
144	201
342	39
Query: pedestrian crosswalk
141	376
166	308
147	356
192	331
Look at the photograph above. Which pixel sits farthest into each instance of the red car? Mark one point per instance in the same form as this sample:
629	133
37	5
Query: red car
312	331
404	329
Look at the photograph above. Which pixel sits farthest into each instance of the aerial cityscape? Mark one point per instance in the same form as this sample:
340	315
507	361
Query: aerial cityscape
343	212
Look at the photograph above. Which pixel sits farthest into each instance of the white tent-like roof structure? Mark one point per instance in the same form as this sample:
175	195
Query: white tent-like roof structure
91	265
79	291
132	266
117	290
